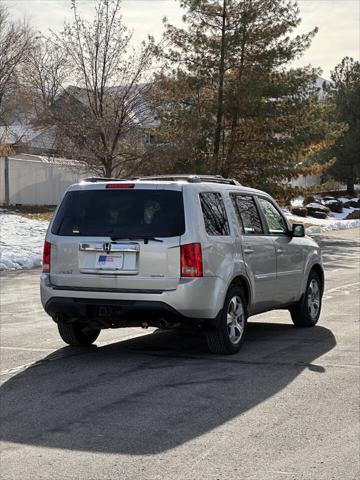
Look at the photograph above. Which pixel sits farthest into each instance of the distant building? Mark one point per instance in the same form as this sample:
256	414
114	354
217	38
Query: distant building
24	138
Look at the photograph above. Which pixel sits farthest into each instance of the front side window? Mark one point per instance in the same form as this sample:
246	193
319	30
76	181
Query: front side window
215	218
275	221
248	214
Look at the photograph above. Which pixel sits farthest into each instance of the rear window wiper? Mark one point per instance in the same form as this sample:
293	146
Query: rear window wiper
146	239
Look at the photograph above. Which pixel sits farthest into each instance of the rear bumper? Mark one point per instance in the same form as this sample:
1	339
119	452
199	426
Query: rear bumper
116	313
200	298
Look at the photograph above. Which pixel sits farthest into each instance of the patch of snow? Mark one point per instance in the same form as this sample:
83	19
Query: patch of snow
343	215
348	199
297	202
341	225
318	206
21	241
324	225
340	216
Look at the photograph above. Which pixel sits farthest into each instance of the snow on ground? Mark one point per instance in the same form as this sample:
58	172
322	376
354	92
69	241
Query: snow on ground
319	225
297	202
21	238
335	221
21	241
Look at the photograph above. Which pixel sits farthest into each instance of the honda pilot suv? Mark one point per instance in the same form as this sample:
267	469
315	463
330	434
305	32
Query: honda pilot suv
175	251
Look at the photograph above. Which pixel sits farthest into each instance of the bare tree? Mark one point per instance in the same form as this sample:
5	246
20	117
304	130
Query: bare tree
101	119
45	72
15	43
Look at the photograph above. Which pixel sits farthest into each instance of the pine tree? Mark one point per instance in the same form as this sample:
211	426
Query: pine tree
345	93
185	126
279	132
258	115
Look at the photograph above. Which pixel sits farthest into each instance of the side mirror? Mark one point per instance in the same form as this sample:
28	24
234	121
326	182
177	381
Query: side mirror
298	230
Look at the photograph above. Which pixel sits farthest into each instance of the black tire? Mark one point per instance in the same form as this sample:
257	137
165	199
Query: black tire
303	314
76	335
219	340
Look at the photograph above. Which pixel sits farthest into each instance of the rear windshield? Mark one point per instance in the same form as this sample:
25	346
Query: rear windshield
121	213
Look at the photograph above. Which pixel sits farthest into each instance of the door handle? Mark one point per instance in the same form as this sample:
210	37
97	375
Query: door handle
279	250
248	250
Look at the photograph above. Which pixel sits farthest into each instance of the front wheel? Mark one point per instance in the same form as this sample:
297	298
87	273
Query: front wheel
76	335
307	312
228	337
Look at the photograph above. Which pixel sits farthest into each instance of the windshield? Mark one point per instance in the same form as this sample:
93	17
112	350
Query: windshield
121	213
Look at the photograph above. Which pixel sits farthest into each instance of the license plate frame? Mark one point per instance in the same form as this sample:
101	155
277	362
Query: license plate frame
109	261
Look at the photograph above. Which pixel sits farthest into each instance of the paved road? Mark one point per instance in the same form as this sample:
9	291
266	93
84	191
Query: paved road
160	407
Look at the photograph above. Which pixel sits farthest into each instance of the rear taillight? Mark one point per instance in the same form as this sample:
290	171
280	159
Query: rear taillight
120	185
191	260
46	257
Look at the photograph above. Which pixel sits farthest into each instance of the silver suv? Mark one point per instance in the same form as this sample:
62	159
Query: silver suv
173	251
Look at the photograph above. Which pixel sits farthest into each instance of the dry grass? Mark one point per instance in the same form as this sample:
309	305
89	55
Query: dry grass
34	212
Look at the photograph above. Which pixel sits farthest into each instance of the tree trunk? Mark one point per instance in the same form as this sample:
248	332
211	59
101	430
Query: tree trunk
220	100
350	187
235	119
108	168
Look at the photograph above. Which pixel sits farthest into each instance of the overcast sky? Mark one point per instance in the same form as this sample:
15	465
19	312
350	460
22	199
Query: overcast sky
338	22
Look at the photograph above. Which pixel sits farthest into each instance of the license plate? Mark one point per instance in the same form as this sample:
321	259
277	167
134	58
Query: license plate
109	262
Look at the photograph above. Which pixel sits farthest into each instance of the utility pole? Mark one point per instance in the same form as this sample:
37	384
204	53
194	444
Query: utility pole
6	181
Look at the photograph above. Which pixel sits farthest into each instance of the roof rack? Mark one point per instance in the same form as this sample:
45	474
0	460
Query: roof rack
187	178
192	178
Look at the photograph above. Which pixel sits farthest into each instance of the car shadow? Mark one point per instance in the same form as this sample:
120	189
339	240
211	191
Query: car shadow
152	393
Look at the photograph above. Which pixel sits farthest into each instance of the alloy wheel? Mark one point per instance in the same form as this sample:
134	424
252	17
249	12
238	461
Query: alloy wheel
313	296
235	320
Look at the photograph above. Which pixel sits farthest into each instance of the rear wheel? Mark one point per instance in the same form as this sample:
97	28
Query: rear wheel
77	335
229	335
307	312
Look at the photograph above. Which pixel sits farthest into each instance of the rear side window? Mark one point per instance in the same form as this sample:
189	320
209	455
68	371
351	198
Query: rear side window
123	213
248	214
214	213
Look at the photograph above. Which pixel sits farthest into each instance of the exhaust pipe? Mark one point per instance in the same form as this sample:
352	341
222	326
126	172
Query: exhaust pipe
58	318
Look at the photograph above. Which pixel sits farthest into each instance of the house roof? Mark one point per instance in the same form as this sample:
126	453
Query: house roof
141	114
26	134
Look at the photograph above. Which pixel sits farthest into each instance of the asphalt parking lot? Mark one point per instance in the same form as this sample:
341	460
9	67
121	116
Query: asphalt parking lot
150	405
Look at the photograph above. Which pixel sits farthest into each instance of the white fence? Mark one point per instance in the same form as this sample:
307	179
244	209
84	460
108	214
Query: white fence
304	182
35	182
32	182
